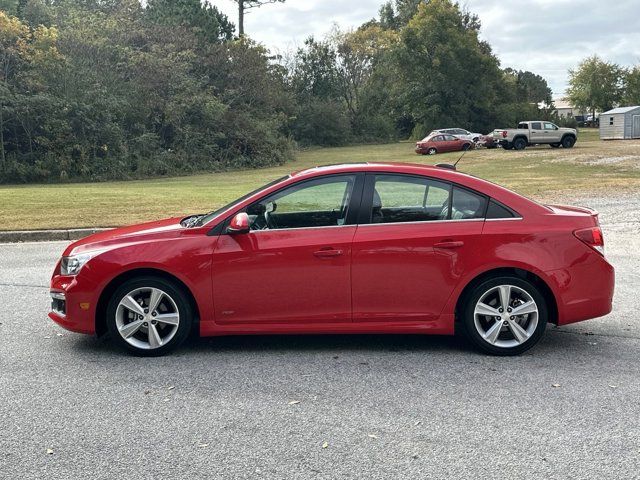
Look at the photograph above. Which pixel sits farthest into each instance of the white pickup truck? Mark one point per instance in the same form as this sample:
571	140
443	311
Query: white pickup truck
535	133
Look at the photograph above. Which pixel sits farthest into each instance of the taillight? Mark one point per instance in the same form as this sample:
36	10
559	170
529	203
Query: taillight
591	236
504	134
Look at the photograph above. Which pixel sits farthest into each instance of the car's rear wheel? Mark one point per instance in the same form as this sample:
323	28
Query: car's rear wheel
432	151
568	141
149	316
505	315
519	144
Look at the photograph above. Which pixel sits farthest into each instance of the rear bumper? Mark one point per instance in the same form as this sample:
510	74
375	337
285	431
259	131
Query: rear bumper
77	312
584	291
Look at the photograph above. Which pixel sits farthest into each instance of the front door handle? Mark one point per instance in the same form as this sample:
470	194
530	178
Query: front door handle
449	244
328	253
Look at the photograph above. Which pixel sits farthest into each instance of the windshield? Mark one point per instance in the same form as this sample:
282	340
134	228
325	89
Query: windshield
211	215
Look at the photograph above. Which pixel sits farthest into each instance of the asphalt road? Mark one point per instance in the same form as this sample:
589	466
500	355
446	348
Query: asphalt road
369	407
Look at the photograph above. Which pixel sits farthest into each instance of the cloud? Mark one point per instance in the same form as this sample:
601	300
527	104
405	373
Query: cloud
547	37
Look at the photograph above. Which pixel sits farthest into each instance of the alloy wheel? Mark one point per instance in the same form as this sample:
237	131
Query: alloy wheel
506	316
147	318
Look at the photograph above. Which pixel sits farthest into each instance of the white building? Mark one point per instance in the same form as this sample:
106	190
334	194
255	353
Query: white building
566	110
620	123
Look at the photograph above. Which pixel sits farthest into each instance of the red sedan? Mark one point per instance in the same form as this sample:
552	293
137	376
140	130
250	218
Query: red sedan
438	143
361	248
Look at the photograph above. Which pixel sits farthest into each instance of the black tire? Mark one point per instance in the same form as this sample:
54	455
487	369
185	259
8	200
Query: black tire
466	146
468	319
432	151
555	145
519	144
568	142
174	298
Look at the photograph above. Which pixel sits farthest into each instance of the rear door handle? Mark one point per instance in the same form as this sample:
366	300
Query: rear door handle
449	244
328	253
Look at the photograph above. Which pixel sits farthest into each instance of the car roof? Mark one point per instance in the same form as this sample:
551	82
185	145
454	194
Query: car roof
399	167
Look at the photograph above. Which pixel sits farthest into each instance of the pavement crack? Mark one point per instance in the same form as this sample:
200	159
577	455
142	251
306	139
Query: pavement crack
595	334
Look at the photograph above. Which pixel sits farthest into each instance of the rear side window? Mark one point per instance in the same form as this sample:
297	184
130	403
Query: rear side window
523	126
536	126
400	198
467	205
497	210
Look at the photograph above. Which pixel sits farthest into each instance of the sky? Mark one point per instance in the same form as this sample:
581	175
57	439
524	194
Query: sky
547	37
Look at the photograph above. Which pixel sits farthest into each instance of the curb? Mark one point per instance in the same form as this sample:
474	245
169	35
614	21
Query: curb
47	235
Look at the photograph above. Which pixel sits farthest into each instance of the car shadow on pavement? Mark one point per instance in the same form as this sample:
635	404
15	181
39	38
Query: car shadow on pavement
554	341
327	343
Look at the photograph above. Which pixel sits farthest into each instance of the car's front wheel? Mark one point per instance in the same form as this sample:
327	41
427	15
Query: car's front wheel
149	316
505	315
568	141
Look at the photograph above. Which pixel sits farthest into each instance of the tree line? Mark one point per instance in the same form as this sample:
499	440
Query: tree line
597	85
117	89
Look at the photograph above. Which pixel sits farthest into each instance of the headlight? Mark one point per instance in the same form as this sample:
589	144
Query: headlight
73	264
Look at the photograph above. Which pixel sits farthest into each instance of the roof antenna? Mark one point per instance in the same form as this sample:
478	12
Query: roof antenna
452	167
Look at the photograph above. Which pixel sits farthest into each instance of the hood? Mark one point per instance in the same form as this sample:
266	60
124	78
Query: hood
169	227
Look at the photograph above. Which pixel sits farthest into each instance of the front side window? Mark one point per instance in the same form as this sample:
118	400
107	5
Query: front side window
549	126
323	202
399	198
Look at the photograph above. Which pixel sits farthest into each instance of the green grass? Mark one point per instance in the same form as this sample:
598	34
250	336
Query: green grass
591	167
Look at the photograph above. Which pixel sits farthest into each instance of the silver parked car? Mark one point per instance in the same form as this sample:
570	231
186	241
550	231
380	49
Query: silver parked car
460	133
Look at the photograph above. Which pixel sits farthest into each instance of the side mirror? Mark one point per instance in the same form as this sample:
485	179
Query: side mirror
239	224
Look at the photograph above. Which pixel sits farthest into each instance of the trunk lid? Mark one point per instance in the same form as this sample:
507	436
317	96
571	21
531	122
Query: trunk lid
570	210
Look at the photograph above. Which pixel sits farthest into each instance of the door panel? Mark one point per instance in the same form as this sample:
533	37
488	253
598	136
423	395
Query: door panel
283	276
407	271
549	133
295	263
536	134
404	269
636	126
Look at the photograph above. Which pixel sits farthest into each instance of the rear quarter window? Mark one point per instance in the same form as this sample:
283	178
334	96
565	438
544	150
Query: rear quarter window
496	210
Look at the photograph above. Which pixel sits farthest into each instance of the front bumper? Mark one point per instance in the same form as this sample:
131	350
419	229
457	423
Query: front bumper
73	304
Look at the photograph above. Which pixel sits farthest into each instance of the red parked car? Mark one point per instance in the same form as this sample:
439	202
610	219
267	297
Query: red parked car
439	143
361	248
